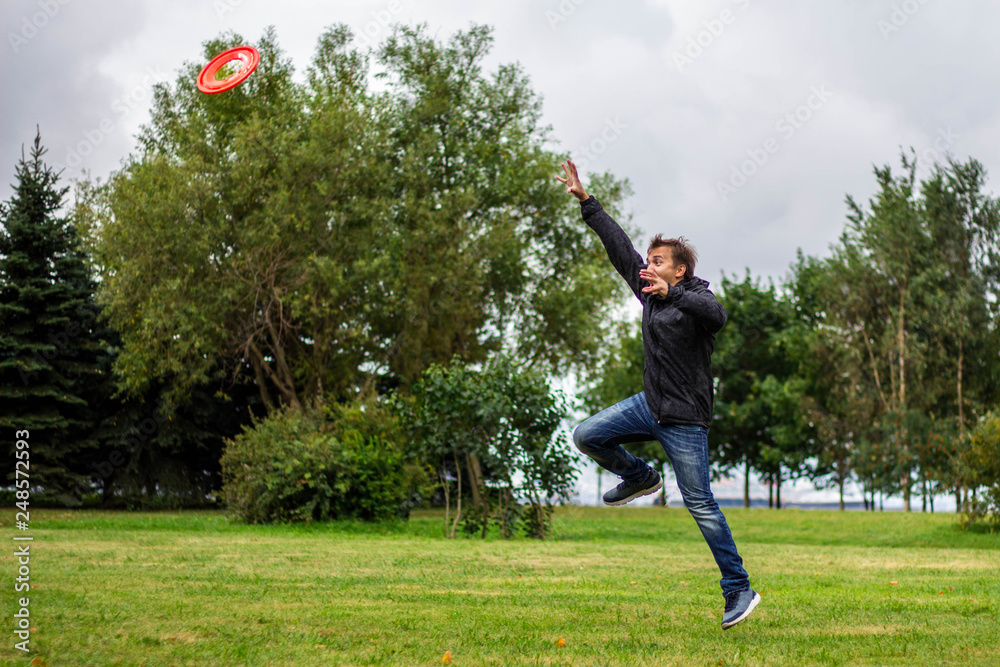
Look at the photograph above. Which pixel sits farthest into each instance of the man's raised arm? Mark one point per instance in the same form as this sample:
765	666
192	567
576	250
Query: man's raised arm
623	256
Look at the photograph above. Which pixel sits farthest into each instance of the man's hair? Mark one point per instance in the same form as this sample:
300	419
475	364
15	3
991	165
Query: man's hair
683	252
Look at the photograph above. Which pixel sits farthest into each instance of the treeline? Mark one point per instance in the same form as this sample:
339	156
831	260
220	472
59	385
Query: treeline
347	296
326	242
878	364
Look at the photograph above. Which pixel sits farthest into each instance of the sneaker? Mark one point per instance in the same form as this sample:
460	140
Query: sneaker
628	491
739	604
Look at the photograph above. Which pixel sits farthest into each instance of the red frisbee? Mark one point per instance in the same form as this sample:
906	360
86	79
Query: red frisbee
249	58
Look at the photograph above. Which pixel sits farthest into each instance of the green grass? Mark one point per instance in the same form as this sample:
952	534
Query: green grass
621	586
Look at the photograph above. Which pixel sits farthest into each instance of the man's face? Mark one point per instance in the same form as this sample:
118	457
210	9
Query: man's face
661	262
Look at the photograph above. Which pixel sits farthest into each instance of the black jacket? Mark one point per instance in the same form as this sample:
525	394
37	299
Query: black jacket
678	331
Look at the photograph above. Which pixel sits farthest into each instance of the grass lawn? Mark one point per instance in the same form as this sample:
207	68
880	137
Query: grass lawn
620	586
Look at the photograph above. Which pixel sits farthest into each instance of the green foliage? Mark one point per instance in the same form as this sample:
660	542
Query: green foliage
491	433
329	462
763	419
157	454
334	233
902	350
51	352
984	467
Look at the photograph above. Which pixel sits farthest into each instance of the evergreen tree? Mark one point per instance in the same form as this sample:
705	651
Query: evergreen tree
49	354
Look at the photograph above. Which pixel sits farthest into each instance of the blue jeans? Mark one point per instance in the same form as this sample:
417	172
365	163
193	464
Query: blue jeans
601	437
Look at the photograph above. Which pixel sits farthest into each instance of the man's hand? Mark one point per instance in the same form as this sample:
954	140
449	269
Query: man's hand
572	181
657	285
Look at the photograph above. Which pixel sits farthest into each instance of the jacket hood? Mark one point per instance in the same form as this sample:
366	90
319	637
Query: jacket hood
693	281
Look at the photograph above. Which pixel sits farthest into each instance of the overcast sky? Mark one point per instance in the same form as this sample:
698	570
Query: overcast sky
742	124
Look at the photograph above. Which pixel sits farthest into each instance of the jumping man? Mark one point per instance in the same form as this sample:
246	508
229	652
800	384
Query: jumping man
680	318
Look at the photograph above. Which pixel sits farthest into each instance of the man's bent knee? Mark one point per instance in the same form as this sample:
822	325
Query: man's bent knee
580	437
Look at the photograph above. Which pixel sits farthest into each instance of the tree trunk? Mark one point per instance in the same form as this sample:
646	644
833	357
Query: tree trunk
458	504
961	424
283	382
770	492
902	350
476	479
479	503
663	489
600	498
287	386
902	393
777	490
443	474
265	395
961	414
746	485
840	483
905	483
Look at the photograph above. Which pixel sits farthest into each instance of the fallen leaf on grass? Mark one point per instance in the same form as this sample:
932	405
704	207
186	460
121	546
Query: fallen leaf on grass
33	629
446	658
632	582
893	583
560	642
684	583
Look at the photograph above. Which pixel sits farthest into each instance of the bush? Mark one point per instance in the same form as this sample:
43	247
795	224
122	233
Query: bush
330	462
984	473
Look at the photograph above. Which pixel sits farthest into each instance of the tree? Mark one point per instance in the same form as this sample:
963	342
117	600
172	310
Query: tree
758	409
984	457
879	295
50	351
964	222
844	405
905	294
336	237
490	432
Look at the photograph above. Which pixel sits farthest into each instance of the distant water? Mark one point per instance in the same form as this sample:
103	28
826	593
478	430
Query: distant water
762	502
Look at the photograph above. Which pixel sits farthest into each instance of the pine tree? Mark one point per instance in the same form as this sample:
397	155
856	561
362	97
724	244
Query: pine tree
49	353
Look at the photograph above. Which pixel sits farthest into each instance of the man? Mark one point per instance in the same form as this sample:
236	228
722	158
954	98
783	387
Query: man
680	318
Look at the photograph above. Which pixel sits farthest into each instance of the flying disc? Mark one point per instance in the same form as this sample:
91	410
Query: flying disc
247	56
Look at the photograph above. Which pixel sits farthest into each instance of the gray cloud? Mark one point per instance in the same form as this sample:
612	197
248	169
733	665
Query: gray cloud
680	130
52	76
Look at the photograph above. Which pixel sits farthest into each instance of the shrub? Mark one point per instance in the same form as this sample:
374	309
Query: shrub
329	462
984	471
492	438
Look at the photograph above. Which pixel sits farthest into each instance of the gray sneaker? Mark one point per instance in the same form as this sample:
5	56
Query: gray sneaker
626	491
739	604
